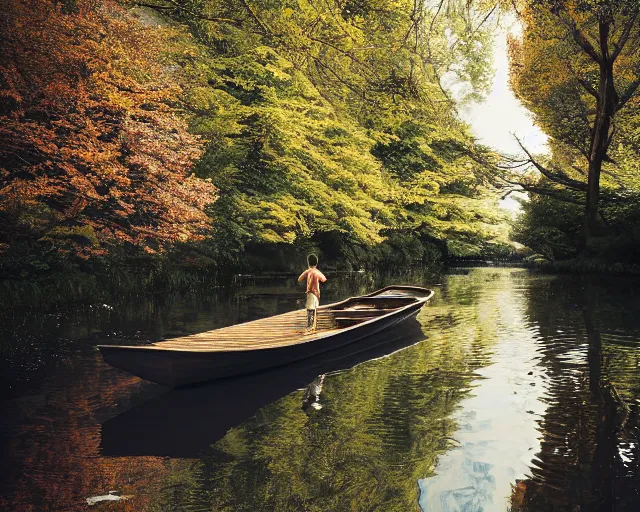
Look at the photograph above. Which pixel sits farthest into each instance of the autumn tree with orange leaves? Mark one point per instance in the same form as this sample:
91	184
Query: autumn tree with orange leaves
94	148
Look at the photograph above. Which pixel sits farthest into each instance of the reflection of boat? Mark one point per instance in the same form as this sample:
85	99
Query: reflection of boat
268	342
183	422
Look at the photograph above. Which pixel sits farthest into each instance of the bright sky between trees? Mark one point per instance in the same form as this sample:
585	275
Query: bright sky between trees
501	115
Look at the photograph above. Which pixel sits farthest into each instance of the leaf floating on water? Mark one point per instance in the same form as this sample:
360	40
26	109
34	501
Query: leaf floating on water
112	496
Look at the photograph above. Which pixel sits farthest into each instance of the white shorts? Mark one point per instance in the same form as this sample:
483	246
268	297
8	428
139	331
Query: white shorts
312	301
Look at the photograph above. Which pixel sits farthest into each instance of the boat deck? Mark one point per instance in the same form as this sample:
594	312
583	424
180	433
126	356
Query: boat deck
281	330
285	329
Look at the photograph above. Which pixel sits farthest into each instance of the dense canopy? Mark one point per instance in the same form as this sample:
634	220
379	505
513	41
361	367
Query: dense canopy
94	143
577	68
227	129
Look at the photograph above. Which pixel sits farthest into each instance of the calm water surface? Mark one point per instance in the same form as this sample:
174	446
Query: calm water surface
512	391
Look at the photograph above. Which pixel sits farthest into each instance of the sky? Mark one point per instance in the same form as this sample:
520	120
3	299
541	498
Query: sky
502	114
495	120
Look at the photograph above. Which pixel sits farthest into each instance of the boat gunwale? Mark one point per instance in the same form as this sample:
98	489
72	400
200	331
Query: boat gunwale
297	341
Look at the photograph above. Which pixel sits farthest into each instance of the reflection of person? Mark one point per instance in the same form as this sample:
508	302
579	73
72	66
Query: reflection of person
314	278
311	397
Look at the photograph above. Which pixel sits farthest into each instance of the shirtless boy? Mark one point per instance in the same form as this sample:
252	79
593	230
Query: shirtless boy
314	278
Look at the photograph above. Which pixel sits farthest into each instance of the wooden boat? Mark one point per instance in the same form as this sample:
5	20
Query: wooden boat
269	342
184	421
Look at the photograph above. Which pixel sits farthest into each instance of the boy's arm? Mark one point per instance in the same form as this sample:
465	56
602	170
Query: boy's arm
303	275
321	277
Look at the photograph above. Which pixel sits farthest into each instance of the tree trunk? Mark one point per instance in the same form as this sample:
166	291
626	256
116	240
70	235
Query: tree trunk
605	110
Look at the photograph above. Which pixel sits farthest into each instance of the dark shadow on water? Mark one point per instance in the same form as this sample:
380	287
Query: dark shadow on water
183	422
587	426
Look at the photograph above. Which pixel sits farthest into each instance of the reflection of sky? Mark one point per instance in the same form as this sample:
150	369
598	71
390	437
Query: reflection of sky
497	426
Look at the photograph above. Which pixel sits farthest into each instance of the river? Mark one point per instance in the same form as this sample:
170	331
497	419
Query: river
512	391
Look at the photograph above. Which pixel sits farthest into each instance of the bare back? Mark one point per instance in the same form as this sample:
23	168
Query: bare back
314	278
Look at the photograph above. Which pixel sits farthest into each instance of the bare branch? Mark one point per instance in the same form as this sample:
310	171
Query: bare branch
509	192
513	165
415	21
433	20
560	178
628	94
546	191
619	46
562	195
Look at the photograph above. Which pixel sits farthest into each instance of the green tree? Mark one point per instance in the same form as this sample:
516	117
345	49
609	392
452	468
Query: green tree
577	69
330	127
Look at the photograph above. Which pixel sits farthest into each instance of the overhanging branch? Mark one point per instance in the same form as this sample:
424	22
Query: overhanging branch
541	190
619	46
560	178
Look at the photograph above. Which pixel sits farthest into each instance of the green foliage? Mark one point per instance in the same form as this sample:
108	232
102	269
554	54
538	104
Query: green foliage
302	161
549	227
553	229
326	129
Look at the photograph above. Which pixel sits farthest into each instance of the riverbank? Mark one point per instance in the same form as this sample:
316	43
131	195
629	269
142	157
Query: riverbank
112	283
583	266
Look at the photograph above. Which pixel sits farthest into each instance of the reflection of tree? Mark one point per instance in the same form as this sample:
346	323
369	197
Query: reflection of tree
54	458
383	425
53	455
579	464
381	428
364	450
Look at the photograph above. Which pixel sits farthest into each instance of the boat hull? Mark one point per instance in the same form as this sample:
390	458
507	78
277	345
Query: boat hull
176	368
184	421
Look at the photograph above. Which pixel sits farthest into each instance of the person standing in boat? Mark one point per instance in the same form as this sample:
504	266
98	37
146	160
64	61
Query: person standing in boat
314	278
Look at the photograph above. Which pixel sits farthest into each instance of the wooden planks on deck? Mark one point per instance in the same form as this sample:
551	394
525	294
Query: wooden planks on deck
280	330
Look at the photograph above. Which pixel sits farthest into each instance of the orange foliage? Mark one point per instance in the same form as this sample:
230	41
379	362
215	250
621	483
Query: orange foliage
94	149
54	451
